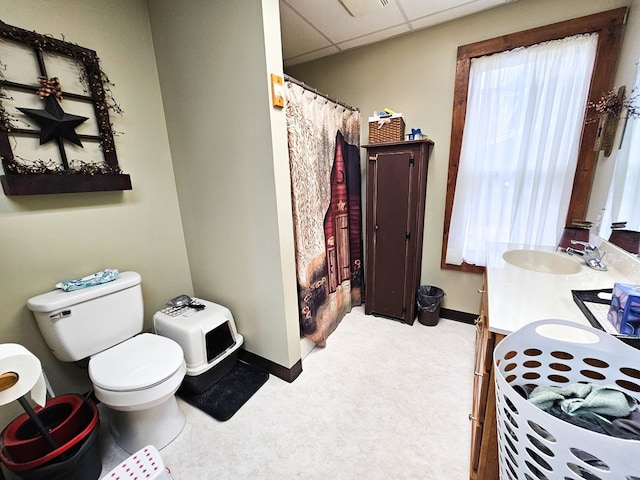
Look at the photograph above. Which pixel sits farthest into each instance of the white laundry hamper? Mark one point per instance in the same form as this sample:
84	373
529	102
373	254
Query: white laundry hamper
534	445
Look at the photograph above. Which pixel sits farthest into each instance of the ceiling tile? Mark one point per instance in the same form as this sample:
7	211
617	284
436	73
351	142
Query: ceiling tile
332	19
316	28
422	17
298	37
374	37
419	8
324	52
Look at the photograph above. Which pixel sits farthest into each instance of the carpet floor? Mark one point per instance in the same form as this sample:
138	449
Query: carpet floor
383	400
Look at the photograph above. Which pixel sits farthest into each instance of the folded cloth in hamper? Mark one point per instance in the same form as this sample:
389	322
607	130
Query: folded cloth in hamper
630	423
595	423
104	276
580	398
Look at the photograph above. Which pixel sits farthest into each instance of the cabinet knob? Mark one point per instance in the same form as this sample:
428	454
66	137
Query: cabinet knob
474	419
480	324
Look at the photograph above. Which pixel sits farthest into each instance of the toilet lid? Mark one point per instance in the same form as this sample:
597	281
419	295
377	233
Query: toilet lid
135	364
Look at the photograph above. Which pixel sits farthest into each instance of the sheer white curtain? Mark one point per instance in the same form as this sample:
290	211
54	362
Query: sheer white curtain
525	111
623	202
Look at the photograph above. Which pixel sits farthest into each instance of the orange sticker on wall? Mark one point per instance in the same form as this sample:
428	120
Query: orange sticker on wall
277	91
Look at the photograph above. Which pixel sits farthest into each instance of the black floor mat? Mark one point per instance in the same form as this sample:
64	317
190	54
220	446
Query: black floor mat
225	397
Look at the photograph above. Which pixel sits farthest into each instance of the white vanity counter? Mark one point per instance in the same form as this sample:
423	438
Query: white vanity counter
517	296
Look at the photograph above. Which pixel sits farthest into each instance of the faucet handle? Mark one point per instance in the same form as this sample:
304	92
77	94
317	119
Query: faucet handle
590	249
584	244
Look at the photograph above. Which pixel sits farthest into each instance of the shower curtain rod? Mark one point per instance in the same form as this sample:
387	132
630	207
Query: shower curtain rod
310	89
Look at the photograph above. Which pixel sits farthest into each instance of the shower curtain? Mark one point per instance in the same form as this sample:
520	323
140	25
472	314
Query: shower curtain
324	158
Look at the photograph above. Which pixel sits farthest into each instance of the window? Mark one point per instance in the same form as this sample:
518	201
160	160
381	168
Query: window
525	112
609	27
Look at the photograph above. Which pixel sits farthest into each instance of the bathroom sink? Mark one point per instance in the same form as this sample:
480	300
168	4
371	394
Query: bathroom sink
543	262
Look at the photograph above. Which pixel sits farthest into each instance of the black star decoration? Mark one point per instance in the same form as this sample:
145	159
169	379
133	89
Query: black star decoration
54	122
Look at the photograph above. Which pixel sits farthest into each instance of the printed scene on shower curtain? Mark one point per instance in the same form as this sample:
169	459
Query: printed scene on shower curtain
324	158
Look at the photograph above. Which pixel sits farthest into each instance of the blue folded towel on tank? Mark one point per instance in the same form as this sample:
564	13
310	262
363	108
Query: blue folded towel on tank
104	276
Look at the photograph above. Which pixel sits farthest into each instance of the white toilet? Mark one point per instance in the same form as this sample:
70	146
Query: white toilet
136	375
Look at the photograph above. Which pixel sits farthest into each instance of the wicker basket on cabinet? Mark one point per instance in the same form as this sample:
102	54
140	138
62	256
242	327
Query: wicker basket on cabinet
386	129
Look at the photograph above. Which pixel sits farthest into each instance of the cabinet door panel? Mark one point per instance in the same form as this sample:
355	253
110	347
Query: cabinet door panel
481	379
474	417
396	192
391	182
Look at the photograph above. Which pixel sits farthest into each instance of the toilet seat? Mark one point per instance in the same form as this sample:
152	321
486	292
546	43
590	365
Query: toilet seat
137	374
139	363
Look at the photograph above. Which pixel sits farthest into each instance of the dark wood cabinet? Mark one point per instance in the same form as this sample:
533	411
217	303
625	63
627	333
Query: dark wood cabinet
484	427
396	190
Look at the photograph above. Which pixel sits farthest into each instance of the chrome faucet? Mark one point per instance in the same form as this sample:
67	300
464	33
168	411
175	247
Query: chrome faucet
591	255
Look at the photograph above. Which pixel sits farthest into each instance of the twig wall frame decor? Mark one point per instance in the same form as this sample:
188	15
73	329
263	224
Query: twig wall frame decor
55	131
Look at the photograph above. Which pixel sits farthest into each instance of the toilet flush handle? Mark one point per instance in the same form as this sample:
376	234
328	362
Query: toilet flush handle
60	314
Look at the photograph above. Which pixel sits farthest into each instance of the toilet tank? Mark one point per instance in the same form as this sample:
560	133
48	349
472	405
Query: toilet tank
81	323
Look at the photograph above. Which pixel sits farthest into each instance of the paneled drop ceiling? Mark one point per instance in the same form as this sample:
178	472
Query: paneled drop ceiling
313	29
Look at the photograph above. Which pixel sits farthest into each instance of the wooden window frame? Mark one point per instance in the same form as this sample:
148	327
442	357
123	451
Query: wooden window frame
610	27
68	181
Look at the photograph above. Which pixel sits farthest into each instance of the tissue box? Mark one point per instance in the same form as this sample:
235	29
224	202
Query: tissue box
624	313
